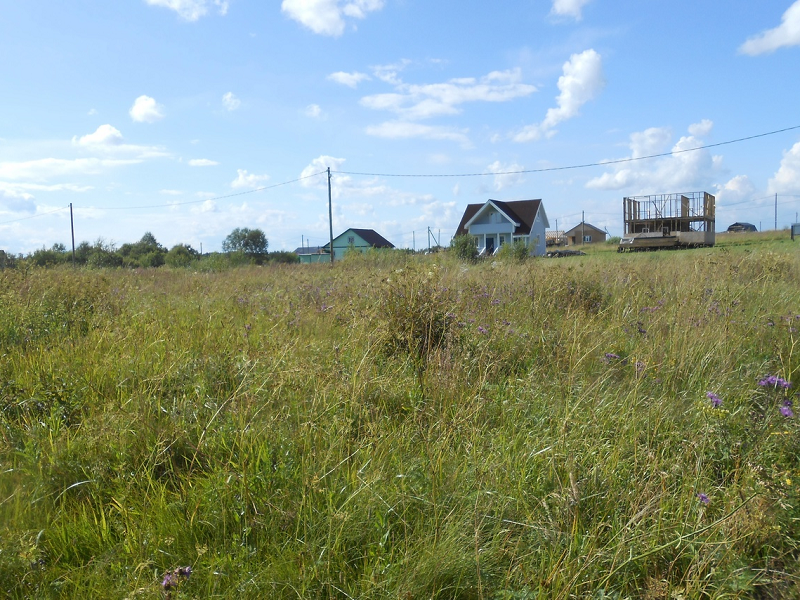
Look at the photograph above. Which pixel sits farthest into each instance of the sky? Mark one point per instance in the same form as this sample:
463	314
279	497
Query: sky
190	118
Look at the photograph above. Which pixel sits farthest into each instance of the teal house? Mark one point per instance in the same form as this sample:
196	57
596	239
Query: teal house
358	240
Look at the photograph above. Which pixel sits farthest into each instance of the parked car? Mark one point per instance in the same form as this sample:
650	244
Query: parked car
742	227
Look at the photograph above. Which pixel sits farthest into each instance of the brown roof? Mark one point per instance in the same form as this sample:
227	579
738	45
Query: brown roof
577	229
522	211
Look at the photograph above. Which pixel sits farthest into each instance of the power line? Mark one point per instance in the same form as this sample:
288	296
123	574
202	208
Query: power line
261	189
50	212
581	166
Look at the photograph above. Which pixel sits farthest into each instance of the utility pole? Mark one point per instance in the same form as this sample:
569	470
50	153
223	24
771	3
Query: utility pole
413	242
776	212
583	227
330	211
72	229
429	240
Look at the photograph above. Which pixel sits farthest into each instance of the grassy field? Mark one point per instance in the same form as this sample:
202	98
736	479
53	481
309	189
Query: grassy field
406	427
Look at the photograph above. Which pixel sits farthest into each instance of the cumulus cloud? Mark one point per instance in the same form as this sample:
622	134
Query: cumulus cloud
245	180
424	101
683	169
146	110
581	82
191	10
202	162
319	165
506	175
12	201
569	8
701	129
313	111
406	130
47	168
328	17
737	189
785	34
787	178
349	79
231	102
108	140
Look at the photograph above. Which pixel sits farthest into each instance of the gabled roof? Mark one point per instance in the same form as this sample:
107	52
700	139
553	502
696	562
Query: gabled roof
372	237
584	227
521	212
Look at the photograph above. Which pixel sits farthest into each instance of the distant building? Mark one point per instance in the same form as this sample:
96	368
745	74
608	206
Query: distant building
584	233
555	237
742	227
496	223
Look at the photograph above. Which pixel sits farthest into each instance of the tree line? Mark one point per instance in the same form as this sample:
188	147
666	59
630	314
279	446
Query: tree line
241	247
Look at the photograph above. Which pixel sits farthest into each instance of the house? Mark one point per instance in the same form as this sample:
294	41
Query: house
742	227
584	233
355	239
495	223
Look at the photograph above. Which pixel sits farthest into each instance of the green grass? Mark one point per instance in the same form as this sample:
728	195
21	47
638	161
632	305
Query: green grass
404	427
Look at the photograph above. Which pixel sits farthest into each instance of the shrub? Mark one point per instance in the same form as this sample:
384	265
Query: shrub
518	251
464	248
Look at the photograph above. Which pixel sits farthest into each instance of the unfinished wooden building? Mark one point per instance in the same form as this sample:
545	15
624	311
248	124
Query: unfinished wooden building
684	220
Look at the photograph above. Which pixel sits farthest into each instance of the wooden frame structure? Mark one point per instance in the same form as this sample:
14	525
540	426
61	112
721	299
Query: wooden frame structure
683	220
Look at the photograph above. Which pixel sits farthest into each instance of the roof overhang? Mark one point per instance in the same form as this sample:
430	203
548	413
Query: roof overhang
497	208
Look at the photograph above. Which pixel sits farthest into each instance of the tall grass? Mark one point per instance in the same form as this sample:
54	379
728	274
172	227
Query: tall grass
404	427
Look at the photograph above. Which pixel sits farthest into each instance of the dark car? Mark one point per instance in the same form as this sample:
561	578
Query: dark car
742	227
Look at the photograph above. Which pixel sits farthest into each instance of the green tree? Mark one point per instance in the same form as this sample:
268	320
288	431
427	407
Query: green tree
251	242
181	255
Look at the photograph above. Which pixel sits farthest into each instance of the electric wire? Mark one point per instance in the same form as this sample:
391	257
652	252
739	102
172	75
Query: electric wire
49	212
579	166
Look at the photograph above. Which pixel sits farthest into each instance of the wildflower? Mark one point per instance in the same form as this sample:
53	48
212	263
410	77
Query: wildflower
703	498
612	356
774	381
482	330
716	401
640	367
169	582
786	409
495	302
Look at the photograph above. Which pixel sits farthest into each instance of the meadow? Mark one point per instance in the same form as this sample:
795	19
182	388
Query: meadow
409	427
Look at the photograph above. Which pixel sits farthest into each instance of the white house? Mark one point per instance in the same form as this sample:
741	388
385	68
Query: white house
495	223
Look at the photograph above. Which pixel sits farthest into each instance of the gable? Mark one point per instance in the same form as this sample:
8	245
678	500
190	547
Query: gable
521	212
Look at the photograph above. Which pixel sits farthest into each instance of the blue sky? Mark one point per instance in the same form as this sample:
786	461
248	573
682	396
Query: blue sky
185	117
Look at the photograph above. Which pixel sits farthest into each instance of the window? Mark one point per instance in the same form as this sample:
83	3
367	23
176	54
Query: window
351	241
587	239
502	240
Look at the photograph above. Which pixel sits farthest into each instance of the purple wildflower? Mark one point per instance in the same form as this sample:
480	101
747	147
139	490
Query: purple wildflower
786	409
482	330
774	381
716	401
640	366
495	302
169	582
703	498
612	356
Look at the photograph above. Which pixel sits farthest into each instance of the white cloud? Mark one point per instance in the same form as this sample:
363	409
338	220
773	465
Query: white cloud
318	165
701	129
313	111
108	140
171	192
680	171
327	17
581	82
506	176
105	135
415	102
737	189
248	180
785	34
191	10
209	206
202	162
146	110
349	79
12	201
406	130
569	8
46	168
231	102
787	178
92	112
